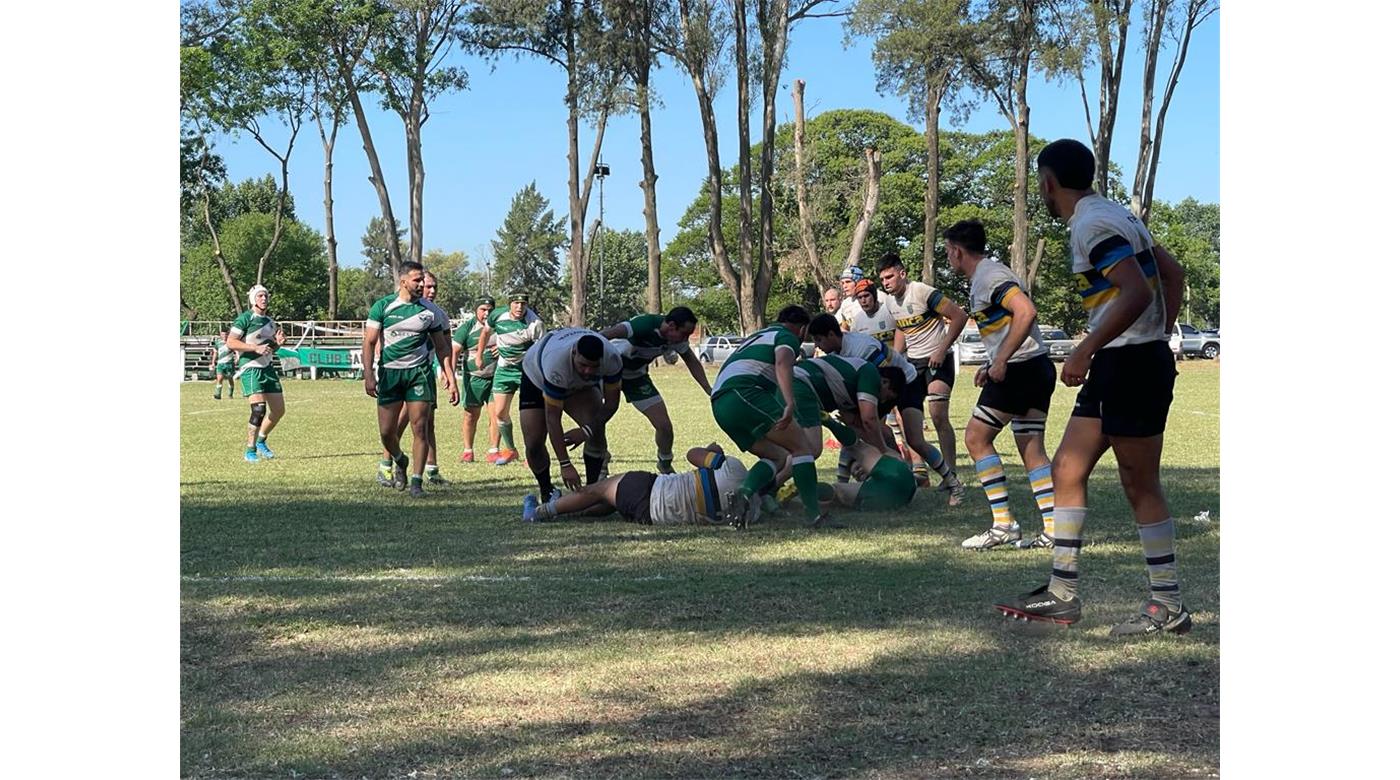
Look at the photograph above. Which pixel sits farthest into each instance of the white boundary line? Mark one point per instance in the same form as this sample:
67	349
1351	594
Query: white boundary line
280	578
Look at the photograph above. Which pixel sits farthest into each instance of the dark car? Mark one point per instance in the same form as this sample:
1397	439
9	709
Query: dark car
1058	342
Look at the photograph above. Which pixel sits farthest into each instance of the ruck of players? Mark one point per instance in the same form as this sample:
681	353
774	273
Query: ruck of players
876	397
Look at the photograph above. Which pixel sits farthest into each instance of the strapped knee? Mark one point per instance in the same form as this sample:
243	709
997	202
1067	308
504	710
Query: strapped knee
1026	427
257	413
938	398
986	416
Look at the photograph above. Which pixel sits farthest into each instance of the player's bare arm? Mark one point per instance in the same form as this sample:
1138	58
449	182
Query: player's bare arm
367	352
1173	279
1134	296
1022	318
783	360
697	370
957	320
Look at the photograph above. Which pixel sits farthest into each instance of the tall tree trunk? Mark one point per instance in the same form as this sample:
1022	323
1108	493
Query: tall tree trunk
867	211
578	200
745	106
294	123
376	173
219	259
328	200
648	184
1110	78
1156	22
804	215
413	136
1035	266
718	250
936	84
1194	17
773	24
1020	228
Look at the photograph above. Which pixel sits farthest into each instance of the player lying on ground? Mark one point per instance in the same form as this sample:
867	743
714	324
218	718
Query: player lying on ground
698	497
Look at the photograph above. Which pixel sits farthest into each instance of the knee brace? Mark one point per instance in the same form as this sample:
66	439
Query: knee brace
985	415
1024	427
257	413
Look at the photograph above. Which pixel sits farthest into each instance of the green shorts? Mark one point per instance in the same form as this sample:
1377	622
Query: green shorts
808	413
407	384
259	380
224	368
476	390
640	392
746	414
506	380
890	485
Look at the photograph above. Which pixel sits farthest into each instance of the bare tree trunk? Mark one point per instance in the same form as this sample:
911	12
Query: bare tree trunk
867	212
1110	78
376	173
716	192
804	216
1149	82
741	79
1035	266
578	206
328	200
773	22
413	136
1196	13
648	183
1020	227
936	85
294	122
219	259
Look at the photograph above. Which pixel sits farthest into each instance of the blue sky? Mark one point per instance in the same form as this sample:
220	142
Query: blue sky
483	145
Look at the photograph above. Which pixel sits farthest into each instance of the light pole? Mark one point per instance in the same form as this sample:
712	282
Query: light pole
601	170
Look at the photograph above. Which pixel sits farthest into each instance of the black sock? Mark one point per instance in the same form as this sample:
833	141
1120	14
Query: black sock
545	482
592	467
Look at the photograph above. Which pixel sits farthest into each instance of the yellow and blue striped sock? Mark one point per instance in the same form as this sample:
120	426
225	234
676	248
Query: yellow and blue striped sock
1158	547
1044	489
994	483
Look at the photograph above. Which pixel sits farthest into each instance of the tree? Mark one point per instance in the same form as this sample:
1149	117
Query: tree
1190	230
1180	22
232	80
381	273
573	35
407	54
1009	38
296	272
1098	33
623	256
637	21
526	248
455	287
916	54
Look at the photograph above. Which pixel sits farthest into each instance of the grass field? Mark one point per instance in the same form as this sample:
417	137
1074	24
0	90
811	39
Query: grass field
334	628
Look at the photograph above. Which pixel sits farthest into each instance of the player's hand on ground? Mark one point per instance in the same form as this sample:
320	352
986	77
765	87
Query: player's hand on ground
371	386
996	371
575	437
1075	369
980	378
569	474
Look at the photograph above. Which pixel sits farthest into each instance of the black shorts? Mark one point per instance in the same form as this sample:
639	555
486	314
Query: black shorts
1028	385
1129	389
633	499
531	397
912	396
941	372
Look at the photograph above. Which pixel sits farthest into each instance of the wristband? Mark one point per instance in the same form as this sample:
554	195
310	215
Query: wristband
565	463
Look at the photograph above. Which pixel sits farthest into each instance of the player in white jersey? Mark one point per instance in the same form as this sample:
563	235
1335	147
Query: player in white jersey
926	324
572	370
870	316
693	498
909	404
1016	383
849	309
1125	370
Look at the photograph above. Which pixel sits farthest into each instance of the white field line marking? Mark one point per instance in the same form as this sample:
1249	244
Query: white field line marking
434	578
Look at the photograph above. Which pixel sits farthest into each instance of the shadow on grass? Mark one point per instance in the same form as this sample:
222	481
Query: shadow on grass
279	638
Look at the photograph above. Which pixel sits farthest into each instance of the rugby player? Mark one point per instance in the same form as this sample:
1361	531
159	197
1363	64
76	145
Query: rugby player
515	327
255	336
476	379
573	370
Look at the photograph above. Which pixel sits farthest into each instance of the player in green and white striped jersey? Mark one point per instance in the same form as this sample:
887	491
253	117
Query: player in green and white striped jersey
221	363
754	404
515	328
476	379
255	336
409	328
641	340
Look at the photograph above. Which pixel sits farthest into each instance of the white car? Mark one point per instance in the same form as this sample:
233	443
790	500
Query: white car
970	348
